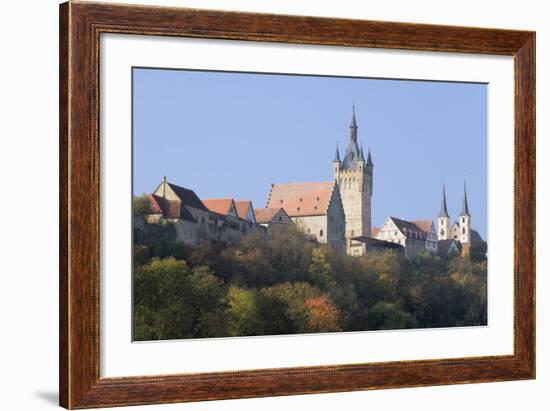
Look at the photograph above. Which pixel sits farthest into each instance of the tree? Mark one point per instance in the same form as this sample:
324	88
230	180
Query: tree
172	301
478	251
141	205
285	283
243	313
322	315
320	271
387	316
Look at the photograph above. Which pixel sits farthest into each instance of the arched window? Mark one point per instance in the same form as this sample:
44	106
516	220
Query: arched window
442	232
320	233
463	230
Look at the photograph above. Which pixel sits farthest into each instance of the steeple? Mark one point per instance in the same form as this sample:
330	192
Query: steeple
353	153
369	159
443	209
353	126
361	156
465	211
337	156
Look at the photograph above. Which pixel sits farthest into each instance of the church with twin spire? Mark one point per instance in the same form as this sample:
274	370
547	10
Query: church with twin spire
339	212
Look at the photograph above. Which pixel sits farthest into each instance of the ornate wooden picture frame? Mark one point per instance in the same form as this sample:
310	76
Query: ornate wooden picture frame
80	27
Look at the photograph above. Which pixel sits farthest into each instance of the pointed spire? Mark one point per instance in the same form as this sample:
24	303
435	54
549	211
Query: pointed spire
361	155
353	121
443	210
369	159
337	156
353	152
465	211
353	128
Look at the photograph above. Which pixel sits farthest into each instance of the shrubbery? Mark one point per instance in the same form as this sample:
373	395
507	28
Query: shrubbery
286	284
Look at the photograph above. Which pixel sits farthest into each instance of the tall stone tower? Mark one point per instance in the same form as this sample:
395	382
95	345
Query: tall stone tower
464	220
443	219
354	177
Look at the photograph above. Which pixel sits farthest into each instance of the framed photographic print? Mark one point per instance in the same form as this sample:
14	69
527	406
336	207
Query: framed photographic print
258	205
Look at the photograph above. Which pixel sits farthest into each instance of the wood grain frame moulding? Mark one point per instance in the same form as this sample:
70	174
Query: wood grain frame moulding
81	24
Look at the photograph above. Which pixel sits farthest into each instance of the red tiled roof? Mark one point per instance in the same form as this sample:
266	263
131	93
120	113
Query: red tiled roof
374	231
242	207
424	225
219	205
265	215
301	199
170	208
155	207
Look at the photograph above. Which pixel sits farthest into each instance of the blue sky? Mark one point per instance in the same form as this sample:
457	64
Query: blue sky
232	134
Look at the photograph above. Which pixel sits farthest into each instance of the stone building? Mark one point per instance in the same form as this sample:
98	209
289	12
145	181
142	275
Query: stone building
232	226
245	210
416	236
354	176
367	245
196	220
270	217
316	209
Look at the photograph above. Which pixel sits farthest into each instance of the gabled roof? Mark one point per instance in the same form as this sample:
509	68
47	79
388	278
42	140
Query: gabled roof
404	225
301	199
188	197
221	206
408	227
444	246
475	236
154	204
265	215
170	208
424	225
242	207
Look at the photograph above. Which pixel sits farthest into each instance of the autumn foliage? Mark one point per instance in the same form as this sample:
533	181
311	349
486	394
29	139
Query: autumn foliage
287	284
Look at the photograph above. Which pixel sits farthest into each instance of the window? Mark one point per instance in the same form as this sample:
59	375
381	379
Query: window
463	230
463	220
320	233
442	232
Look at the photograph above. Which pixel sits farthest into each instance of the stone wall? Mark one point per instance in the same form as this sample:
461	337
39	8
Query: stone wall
355	191
313	226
